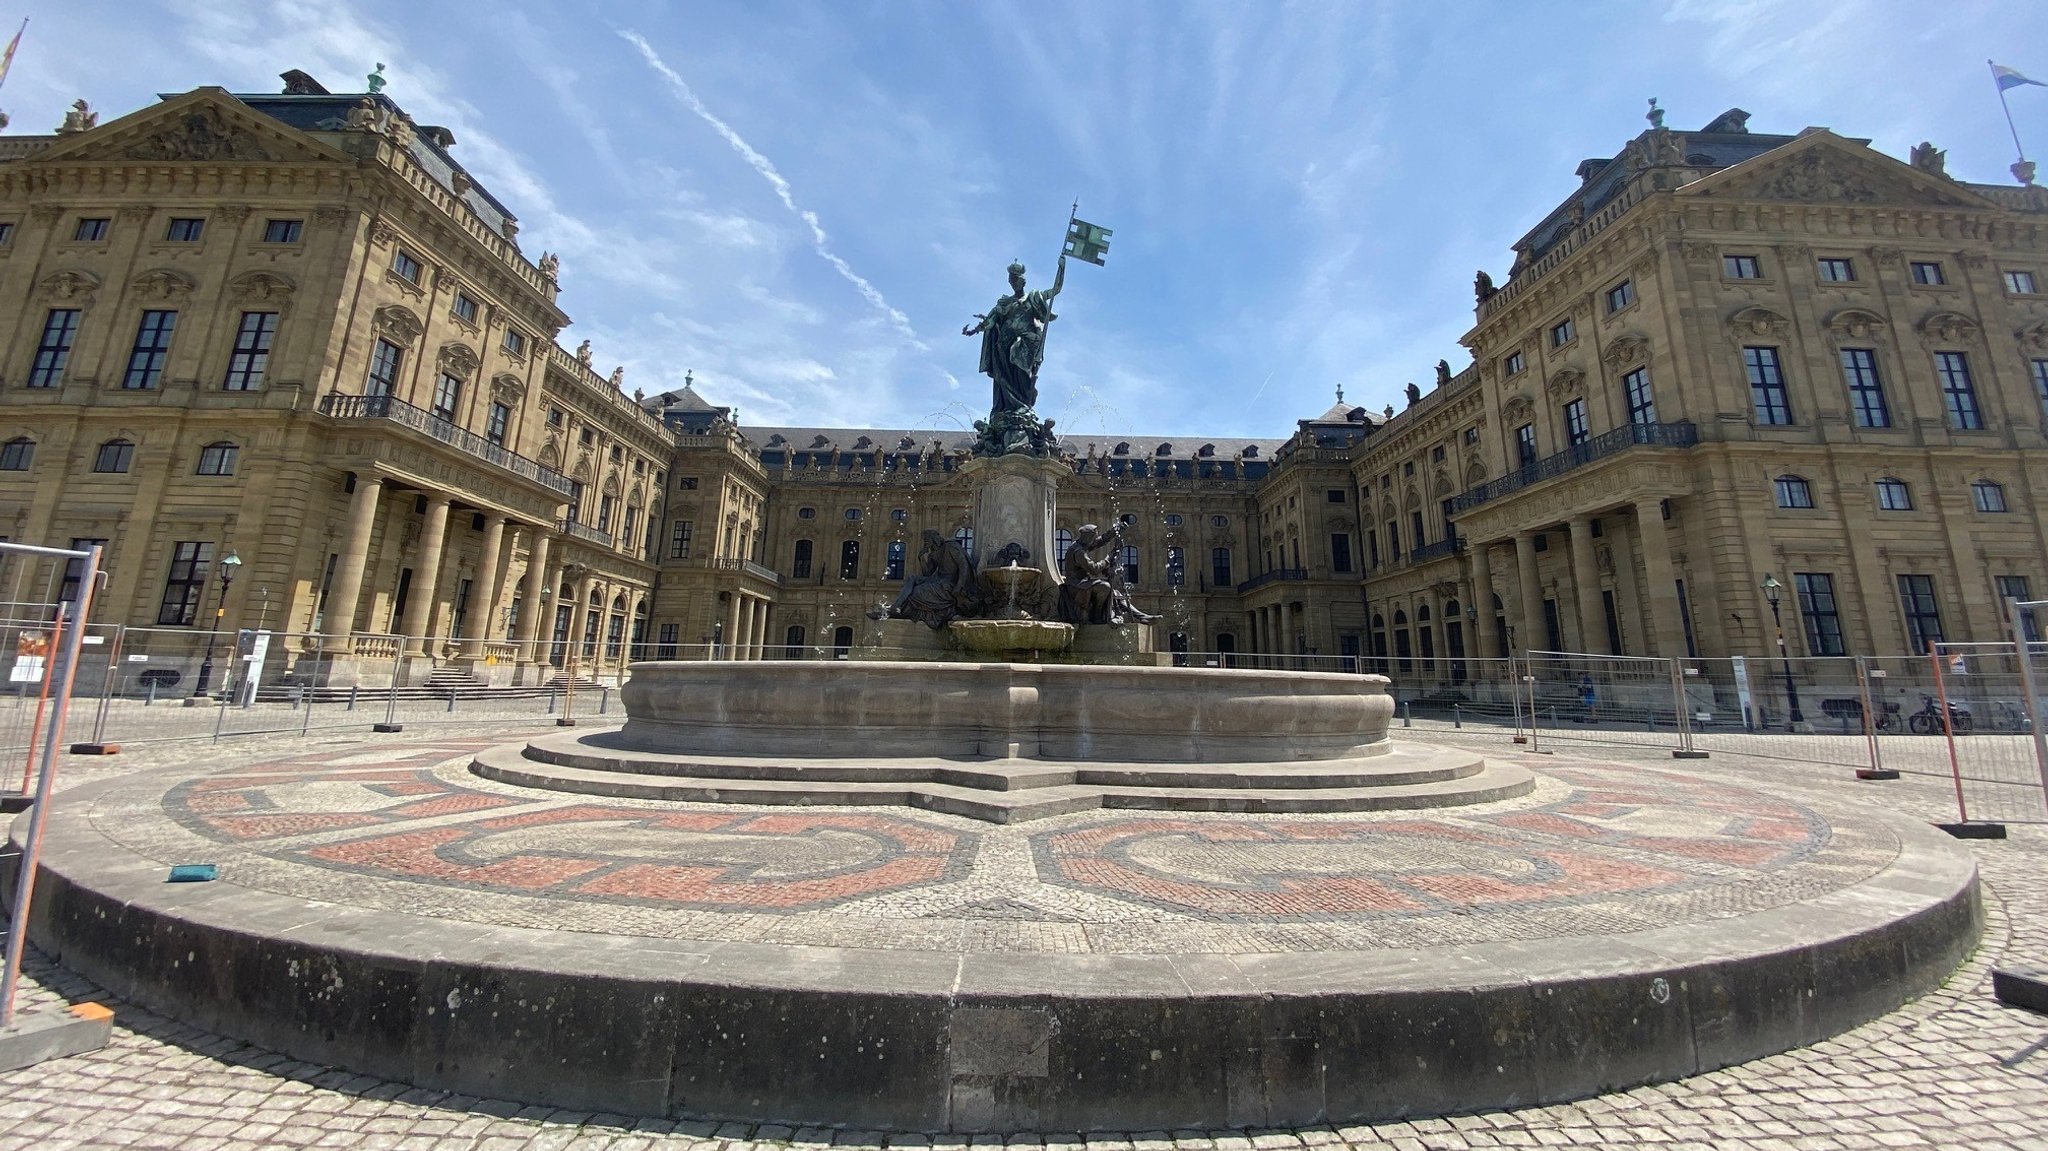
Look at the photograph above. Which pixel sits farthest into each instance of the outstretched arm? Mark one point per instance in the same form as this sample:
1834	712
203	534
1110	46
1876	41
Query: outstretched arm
981	322
1059	278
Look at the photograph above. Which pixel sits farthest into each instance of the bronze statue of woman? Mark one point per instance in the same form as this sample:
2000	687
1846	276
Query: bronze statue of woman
1013	340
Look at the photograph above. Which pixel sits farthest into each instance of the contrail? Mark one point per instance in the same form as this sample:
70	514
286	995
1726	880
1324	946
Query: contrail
766	168
1255	395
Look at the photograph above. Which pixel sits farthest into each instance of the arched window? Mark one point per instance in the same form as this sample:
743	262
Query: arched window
842	642
1176	569
849	560
1794	492
17	454
800	563
218	459
965	538
1219	567
1403	651
895	570
114	456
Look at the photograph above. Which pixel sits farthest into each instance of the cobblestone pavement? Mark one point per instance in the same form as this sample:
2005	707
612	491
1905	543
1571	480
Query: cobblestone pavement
1954	1069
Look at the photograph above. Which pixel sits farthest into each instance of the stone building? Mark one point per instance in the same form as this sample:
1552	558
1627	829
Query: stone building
292	327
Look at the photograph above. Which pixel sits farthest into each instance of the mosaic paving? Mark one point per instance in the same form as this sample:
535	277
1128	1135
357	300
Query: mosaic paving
1596	848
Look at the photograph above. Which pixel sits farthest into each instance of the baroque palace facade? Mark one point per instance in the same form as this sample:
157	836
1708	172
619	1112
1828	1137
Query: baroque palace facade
292	327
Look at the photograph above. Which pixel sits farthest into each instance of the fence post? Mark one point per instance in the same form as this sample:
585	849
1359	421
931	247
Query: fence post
568	716
1871	717
149	696
1515	701
1457	718
604	699
391	694
1682	711
99	745
2029	689
1530	679
1407	718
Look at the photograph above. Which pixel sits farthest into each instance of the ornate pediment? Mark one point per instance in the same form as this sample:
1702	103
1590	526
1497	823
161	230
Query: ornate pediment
206	126
1757	321
1625	350
1517	407
71	287
261	287
1564	382
397	324
1832	171
2034	337
162	284
458	360
1856	324
1948	328
507	389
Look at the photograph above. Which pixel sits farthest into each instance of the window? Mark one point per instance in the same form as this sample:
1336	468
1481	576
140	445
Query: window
964	536
447	393
282	231
1219	567
1436	454
74	569
17	454
1836	271
60	329
91	229
800	562
114	456
189	561
1176	567
1224	521
1893	495
1372	548
852	515
618	453
1062	539
606	505
807	513
1562	333
1515	363
679	540
1923	614
1130	558
498	424
894	561
1621	295
152	344
849	560
1816	591
1794	492
586	436
2014	587
2040	370
1635	387
1408	468
218	459
184	229
1471	435
406	268
1988	496
899	515
555	421
1767	386
385	360
1340	551
515	342
1741	268
6	231
575	513
251	357
465	308
1575	432
1958	393
1525	446
1928	273
1416	537
2018	283
1866	392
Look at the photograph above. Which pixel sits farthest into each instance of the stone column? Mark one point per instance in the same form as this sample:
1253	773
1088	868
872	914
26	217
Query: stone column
732	627
339	619
1666	627
1529	628
425	575
1586	581
1484	644
743	646
761	629
487	585
533	605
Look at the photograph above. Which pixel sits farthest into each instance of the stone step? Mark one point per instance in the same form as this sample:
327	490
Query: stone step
1494	781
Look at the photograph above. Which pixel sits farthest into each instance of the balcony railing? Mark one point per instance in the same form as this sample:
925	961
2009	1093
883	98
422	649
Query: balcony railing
1675	435
750	567
1448	546
1275	576
343	407
584	532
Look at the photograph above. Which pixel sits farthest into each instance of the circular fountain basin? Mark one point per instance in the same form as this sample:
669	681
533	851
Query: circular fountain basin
996	636
1047	711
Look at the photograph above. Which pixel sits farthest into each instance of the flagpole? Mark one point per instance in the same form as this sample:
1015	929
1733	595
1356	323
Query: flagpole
2002	104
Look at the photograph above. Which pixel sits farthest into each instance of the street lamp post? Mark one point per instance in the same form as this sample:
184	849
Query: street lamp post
1772	591
228	564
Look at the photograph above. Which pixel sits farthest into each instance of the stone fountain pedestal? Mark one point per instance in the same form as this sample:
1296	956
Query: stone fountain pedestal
1015	509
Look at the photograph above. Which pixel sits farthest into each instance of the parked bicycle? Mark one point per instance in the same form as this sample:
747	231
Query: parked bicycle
1887	715
2009	716
1927	721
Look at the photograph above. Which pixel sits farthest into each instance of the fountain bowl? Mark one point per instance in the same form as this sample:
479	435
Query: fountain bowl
995	636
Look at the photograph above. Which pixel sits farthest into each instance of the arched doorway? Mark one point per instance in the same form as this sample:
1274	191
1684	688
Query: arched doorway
842	641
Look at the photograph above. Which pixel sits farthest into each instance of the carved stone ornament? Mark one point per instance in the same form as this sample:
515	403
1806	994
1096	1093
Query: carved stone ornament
1948	328
1973	261
1755	321
45	214
331	217
382	233
1856	324
1564	381
1818	175
201	134
232	214
1700	250
1888	257
70	286
2034	337
162	284
397	324
1625	350
261	288
458	360
507	389
1517	407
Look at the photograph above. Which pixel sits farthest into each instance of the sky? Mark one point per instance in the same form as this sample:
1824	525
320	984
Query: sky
801	203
